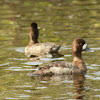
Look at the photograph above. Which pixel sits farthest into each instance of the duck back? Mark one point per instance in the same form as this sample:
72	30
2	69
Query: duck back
39	48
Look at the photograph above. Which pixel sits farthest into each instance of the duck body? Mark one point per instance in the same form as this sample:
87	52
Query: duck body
62	67
41	48
36	48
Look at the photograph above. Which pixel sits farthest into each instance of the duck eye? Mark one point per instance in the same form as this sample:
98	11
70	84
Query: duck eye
80	43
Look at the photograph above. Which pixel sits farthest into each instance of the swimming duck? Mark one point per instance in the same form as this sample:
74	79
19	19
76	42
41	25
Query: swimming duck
62	67
36	48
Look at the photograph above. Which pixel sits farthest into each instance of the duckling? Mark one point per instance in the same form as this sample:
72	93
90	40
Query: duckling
62	67
36	48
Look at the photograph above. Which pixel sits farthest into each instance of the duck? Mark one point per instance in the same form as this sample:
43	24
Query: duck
36	48
66	68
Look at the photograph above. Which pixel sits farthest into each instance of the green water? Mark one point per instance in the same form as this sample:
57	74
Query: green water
59	21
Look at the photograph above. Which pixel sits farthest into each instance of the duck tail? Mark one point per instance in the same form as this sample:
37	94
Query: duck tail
54	49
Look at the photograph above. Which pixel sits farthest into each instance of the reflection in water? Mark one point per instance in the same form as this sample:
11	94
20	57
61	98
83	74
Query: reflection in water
78	81
57	55
46	58
79	86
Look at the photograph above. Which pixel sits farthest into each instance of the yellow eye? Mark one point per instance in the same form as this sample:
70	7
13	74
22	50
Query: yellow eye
80	43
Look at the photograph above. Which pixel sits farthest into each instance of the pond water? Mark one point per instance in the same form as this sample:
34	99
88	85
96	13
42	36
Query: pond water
59	21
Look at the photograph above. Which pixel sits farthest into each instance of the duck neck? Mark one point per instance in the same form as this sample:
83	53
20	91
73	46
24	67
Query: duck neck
77	60
77	56
33	36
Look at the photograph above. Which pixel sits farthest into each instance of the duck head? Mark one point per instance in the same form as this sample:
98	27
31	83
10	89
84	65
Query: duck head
34	33
78	46
34	25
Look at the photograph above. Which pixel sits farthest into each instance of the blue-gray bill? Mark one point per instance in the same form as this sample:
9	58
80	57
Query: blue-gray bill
85	48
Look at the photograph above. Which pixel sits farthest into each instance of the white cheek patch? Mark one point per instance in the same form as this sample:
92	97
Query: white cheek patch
84	46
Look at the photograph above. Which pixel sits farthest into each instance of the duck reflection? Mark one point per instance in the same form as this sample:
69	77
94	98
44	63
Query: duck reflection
78	82
79	86
54	55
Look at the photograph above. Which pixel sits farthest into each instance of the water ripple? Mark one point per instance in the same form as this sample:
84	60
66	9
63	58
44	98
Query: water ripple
33	63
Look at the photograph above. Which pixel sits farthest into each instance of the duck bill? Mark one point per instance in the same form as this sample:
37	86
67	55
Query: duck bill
85	48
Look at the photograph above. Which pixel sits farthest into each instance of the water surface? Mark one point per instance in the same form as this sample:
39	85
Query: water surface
59	21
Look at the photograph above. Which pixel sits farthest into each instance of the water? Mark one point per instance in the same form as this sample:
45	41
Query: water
59	21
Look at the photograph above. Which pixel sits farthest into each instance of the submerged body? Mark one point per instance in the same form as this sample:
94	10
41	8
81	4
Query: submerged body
62	67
